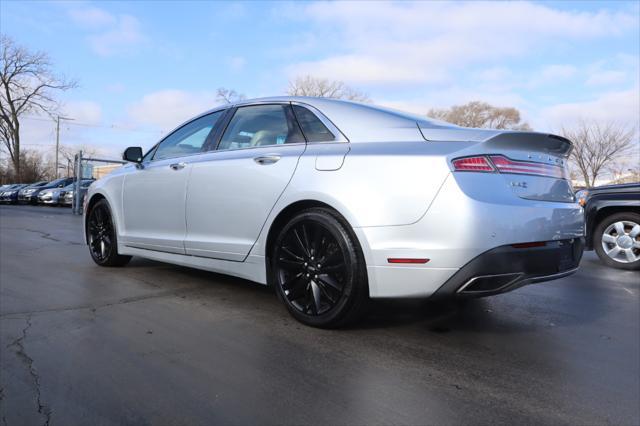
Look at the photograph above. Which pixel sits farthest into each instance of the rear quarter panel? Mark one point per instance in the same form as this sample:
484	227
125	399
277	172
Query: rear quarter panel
377	184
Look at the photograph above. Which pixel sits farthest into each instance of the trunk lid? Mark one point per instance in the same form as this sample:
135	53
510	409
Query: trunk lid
529	162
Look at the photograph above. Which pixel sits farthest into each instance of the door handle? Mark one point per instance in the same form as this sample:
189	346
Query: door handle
267	159
178	166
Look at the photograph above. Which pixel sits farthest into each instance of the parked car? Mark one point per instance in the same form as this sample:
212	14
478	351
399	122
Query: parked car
9	193
26	193
335	202
31	193
612	215
67	193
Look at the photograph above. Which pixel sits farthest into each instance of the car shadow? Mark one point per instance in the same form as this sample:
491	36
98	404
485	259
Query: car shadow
560	303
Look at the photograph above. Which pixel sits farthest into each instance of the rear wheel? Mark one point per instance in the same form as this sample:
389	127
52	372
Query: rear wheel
318	269
617	240
103	243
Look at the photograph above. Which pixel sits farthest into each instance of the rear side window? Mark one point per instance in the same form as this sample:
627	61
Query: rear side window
312	127
188	139
261	125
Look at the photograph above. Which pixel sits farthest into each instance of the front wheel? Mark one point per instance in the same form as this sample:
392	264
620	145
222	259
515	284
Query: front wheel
102	238
617	240
318	269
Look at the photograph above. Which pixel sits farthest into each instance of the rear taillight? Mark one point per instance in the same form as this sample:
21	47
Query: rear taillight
506	165
502	164
472	164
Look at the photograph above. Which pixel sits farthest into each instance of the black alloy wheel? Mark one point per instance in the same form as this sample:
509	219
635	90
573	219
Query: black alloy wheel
102	239
318	269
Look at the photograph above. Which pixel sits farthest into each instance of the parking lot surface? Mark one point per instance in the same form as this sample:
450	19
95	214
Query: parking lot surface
159	344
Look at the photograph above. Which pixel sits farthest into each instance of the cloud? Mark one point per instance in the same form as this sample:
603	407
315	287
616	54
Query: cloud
606	78
109	34
86	112
619	106
166	109
385	43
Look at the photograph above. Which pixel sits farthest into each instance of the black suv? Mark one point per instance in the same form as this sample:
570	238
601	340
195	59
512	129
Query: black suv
612	216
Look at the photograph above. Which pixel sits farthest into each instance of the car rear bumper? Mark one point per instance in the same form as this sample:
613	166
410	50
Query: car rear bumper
509	267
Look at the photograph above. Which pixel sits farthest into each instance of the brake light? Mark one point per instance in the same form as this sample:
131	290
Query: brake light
472	164
502	164
506	165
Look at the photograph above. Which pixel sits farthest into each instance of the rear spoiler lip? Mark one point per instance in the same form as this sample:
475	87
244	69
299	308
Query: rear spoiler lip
499	138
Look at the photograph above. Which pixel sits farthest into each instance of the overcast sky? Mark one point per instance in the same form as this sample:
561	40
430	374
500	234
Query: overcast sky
143	67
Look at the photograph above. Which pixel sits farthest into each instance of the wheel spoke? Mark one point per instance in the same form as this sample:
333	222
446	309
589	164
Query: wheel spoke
315	290
327	279
295	287
614	251
292	254
608	238
630	256
619	228
305	240
337	267
634	231
300	243
636	244
292	265
325	291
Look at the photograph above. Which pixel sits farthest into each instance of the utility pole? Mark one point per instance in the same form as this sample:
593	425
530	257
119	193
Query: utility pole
58	139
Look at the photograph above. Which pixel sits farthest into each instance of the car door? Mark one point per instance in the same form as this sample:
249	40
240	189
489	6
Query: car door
233	188
154	193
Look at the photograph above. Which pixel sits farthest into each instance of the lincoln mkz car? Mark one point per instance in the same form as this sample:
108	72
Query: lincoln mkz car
334	202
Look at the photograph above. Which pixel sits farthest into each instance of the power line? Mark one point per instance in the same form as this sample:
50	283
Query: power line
104	126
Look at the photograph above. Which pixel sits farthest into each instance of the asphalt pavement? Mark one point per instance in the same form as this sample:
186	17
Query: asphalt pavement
159	344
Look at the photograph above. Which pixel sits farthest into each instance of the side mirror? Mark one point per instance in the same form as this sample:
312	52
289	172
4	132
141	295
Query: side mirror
133	154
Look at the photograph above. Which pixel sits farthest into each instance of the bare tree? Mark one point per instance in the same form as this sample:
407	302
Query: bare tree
27	84
596	146
325	88
228	96
34	167
481	114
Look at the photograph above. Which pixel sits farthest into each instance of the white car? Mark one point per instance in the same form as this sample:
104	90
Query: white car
334	202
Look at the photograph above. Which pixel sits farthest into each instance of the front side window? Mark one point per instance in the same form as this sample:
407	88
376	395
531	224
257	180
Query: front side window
188	139
313	129
261	125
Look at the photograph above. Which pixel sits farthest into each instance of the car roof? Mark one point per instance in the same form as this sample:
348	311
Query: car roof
358	121
624	187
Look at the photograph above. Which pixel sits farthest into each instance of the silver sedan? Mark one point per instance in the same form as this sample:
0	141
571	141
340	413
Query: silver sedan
334	202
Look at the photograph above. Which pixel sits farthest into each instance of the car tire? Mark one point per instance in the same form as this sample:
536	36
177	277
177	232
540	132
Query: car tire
612	249
318	270
102	236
